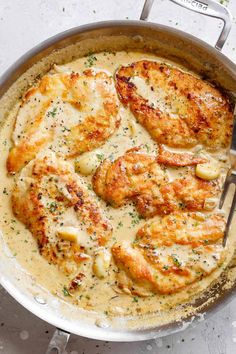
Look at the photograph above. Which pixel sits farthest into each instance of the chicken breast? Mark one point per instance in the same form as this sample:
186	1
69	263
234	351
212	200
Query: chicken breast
176	108
177	159
55	205
186	193
130	175
170	254
70	113
138	177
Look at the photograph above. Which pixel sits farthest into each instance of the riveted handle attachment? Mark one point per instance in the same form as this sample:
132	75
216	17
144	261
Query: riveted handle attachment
205	7
58	342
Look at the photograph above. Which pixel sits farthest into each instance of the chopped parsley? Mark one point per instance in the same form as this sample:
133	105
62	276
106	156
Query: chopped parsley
90	60
176	261
89	185
135	218
53	207
53	112
120	224
147	147
224	2
65	129
65	291
100	157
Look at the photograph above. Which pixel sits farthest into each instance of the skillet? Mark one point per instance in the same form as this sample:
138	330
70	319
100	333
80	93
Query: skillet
165	42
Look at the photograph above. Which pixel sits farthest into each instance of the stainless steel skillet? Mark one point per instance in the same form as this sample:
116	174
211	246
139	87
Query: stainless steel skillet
113	36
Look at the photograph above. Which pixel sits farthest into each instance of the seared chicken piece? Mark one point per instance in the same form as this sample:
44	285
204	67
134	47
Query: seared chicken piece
69	112
176	159
175	107
138	177
131	175
55	205
170	254
185	193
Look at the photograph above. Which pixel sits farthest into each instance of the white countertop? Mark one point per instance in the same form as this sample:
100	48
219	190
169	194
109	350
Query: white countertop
25	23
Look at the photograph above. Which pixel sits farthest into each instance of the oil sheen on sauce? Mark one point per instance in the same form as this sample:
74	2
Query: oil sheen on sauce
98	294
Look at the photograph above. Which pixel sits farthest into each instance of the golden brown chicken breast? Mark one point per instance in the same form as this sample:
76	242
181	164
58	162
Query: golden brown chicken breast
130	175
170	254
178	159
70	113
185	193
53	202
138	177
175	107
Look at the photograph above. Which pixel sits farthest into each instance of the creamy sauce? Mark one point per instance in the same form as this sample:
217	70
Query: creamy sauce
157	99
98	294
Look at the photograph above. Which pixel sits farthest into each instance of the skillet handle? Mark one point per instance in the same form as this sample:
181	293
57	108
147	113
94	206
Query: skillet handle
58	342
205	7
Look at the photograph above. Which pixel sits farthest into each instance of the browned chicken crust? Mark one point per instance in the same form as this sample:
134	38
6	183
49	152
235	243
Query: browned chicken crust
138	177
170	254
186	193
73	112
176	159
47	196
175	107
129	176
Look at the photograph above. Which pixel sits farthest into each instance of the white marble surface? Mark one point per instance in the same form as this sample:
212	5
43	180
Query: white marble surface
25	23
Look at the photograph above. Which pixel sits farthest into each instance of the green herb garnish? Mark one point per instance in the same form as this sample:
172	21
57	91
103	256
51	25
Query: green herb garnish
120	224
53	112
90	61
100	157
65	291
53	207
176	261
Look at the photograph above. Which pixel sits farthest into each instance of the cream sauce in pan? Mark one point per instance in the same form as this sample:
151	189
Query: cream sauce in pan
98	294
